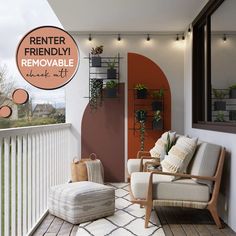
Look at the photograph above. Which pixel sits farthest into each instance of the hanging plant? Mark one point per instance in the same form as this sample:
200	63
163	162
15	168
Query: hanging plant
141	116
96	59
142	91
96	92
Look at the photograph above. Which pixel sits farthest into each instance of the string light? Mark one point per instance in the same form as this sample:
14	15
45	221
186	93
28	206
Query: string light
118	38
90	37
183	37
224	38
189	30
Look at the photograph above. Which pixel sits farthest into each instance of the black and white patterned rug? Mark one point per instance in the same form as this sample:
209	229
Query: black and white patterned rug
128	219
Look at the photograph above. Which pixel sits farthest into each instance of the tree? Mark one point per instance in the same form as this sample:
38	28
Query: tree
6	85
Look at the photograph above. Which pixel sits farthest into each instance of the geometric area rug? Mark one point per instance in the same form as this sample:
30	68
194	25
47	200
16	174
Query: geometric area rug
128	219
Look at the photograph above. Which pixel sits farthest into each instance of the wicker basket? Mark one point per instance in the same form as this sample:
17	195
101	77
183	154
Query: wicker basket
79	169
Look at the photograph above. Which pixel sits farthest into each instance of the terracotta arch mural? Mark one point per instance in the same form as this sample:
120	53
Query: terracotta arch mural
143	70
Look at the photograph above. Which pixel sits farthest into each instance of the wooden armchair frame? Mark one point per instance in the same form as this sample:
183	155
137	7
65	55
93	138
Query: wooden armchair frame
211	204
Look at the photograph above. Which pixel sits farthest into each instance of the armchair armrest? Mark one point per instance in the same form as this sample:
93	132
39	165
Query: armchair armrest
143	153
147	158
211	178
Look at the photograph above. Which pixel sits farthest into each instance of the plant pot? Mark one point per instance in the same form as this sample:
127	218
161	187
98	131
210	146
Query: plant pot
142	94
232	115
111	73
157	105
220	105
141	117
96	61
157	125
232	93
111	92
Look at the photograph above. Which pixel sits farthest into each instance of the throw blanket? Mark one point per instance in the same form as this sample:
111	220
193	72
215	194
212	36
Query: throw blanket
95	171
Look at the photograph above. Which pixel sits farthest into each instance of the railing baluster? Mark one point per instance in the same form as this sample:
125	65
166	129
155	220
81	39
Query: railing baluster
6	186
19	185
37	173
33	163
29	182
13	186
25	179
41	173
1	182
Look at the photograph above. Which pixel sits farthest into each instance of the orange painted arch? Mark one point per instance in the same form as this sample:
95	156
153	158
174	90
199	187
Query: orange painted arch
143	70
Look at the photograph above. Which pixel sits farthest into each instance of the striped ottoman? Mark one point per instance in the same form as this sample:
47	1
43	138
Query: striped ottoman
81	201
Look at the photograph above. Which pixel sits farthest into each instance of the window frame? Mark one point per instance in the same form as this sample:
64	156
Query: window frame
201	72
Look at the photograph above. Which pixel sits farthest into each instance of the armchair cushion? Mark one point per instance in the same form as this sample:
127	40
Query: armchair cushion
205	161
133	165
159	149
165	189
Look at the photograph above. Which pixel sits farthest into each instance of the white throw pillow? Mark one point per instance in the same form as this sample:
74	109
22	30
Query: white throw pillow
179	155
158	150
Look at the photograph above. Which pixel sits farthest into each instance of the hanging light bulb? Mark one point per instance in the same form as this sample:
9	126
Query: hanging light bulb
177	37
189	30
224	38
183	37
148	37
118	38
90	37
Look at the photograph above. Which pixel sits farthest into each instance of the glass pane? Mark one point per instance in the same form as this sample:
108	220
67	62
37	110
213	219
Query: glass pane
223	67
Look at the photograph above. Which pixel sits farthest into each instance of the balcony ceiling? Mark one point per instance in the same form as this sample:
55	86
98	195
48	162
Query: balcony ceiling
126	15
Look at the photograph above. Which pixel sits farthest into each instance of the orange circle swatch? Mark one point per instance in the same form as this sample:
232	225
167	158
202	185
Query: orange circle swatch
20	96
5	111
47	57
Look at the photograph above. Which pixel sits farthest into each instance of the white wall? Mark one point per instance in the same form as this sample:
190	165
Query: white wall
227	203
163	50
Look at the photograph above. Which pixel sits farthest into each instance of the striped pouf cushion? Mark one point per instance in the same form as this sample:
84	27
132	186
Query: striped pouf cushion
81	201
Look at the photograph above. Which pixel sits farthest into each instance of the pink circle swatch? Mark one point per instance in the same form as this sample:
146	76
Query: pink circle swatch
20	96
5	111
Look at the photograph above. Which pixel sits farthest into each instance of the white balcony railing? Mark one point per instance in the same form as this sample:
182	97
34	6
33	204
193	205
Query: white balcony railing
32	159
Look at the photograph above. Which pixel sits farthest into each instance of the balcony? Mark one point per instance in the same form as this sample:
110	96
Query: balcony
32	160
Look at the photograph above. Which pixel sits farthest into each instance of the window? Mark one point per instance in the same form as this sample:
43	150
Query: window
214	68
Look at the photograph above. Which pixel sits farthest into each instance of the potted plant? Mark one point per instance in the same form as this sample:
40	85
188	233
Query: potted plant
232	115
232	91
96	59
111	89
157	122
111	71
95	93
141	116
219	105
220	117
157	95
141	91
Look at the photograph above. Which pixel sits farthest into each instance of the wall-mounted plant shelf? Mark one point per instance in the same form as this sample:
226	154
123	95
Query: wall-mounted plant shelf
100	77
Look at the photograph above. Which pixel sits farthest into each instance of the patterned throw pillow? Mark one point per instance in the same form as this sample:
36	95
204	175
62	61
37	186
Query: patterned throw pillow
179	155
158	150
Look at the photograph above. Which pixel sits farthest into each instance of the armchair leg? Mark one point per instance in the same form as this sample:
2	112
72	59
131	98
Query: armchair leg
148	214
215	216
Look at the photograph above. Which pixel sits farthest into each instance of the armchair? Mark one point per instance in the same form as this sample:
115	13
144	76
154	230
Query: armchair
197	189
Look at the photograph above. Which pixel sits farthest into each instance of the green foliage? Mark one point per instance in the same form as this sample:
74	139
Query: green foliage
141	115
97	50
219	94
111	84
158	94
169	144
140	87
111	63
232	86
220	117
6	123
95	93
157	116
